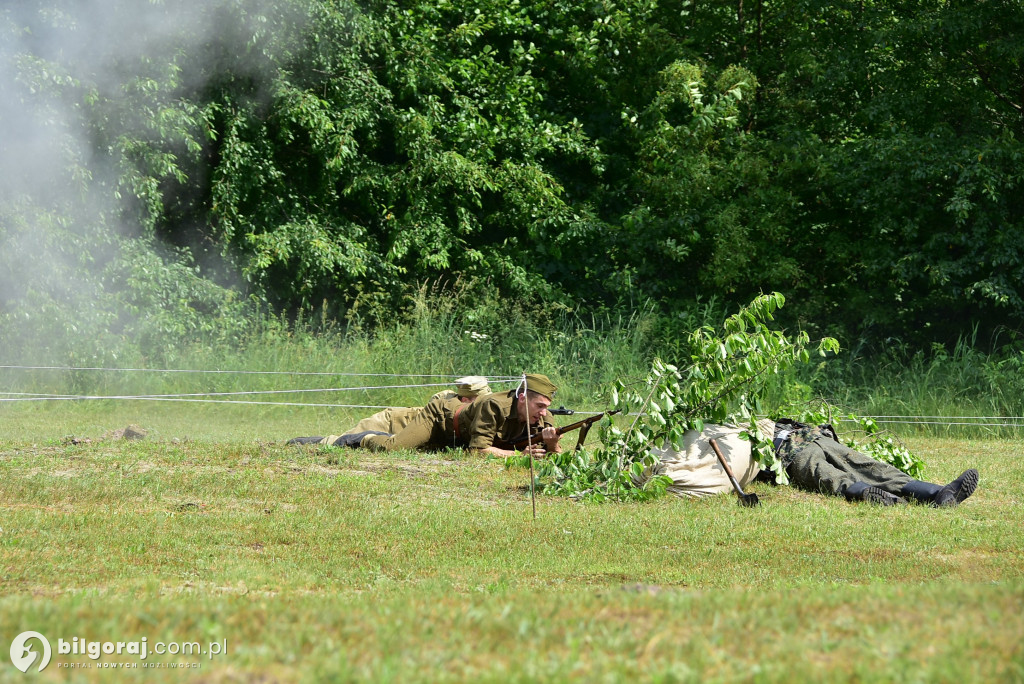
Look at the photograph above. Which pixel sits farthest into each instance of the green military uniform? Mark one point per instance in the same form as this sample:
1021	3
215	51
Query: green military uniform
816	461
490	420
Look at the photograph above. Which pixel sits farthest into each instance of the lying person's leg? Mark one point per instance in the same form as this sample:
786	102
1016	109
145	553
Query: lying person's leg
819	463
953	494
825	465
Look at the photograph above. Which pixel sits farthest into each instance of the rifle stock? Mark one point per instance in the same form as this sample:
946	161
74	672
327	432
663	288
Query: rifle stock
584	424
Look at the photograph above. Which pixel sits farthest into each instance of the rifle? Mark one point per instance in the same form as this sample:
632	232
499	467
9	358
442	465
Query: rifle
582	425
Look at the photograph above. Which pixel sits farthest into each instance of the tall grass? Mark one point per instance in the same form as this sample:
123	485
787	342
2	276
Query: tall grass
399	364
960	392
448	331
583	353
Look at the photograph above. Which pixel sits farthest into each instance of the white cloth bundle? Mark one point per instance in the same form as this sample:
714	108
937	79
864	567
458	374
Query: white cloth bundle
695	471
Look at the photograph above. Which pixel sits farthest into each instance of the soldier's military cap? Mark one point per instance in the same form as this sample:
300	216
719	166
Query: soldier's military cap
472	386
541	385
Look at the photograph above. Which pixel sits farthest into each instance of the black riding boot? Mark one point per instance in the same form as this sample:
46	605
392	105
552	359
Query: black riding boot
355	439
862	491
956	492
305	440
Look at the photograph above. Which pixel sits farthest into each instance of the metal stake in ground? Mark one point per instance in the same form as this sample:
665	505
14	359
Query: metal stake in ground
529	449
749	500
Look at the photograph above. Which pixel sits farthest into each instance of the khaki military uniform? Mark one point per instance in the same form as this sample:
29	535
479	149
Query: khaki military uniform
434	424
394	419
490	420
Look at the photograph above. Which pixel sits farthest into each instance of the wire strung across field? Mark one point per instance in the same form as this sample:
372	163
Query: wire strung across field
41	395
202	397
952	420
196	396
496	378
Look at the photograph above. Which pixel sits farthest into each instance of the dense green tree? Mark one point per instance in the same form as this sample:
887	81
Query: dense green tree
901	147
862	157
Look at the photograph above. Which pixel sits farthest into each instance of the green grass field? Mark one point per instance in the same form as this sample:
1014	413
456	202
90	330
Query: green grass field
309	564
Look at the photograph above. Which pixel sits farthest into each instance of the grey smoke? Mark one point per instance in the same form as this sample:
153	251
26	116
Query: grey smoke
59	213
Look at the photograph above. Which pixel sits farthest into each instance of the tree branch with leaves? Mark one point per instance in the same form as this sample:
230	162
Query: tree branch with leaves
728	380
724	382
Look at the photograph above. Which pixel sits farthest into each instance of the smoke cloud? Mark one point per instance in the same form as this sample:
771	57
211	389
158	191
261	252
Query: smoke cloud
77	79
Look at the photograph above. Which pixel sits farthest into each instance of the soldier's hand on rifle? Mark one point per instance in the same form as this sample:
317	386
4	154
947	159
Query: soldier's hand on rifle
542	443
536	449
549	436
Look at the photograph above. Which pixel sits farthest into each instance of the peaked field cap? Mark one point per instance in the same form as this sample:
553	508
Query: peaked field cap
540	384
472	386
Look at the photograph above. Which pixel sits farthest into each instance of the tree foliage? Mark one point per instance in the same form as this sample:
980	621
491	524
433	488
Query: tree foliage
732	377
724	381
863	157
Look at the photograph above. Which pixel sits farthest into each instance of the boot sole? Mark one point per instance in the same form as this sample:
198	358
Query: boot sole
880	497
967	486
957	491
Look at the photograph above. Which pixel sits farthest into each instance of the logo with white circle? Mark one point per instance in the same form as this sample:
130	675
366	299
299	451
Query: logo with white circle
22	654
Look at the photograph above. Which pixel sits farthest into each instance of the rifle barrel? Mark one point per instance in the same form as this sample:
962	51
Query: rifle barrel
534	436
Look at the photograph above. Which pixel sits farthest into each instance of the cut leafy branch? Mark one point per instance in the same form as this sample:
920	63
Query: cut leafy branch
726	381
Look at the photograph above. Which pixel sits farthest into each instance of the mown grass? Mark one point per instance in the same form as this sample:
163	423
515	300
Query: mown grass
334	565
330	565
